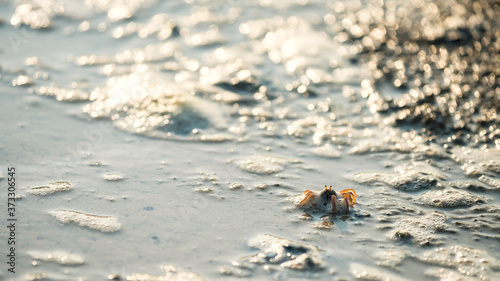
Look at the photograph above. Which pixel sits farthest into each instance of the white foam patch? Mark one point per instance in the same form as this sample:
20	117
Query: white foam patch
261	164
469	263
287	41
390	258
172	273
386	139
146	102
477	161
490	181
112	177
419	230
62	94
327	151
53	187
101	223
364	272
445	274
58	257
393	139
413	176
203	189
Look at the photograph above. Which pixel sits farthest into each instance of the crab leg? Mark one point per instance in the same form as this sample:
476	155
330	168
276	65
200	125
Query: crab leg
308	194
353	199
350	194
350	198
334	204
349	190
346	205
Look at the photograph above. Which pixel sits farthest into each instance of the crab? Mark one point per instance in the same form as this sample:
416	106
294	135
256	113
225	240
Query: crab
327	200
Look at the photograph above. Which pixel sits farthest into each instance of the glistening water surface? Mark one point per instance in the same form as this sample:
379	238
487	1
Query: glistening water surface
161	140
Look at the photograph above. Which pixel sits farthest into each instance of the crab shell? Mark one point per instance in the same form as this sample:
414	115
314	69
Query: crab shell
326	200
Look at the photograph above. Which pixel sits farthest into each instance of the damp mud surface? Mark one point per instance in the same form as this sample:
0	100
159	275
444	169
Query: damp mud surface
162	140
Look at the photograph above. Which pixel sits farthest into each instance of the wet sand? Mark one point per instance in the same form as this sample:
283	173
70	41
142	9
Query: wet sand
161	141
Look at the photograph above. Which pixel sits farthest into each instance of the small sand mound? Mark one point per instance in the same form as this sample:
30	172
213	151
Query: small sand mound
449	198
421	230
285	252
469	262
276	253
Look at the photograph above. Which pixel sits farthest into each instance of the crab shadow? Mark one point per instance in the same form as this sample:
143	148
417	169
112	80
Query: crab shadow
326	221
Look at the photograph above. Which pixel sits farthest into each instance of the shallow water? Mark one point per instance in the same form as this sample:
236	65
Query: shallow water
161	140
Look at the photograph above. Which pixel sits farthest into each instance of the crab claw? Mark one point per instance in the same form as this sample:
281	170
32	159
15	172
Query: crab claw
334	204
